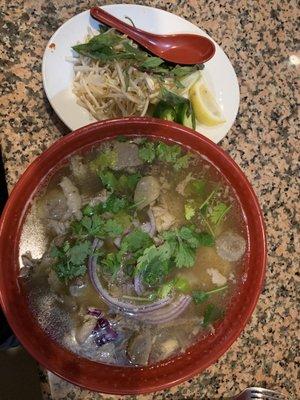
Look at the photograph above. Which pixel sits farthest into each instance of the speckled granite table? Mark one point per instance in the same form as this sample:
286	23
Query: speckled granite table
259	38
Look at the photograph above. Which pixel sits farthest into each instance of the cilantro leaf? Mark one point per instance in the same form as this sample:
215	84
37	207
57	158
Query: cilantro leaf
168	153
70	260
108	180
88	226
106	159
114	204
182	162
128	182
153	264
211	314
189	211
147	152
185	256
135	240
79	252
183	243
112	228
206	239
190	236
218	212
111	263
198	186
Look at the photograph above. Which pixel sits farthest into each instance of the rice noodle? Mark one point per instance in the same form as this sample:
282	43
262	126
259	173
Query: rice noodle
114	89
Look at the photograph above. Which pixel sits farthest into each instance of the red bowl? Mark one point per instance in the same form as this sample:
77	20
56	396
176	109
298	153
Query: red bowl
115	379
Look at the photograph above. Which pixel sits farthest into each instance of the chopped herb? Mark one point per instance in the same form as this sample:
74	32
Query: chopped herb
182	162
88	210
153	264
147	152
198	186
189	211
95	226
70	260
113	228
208	199
165	289
114	204
111	263
88	226
109	180
211	314
218	212
128	182
106	159
200	296
206	239
152	62
168	153
136	240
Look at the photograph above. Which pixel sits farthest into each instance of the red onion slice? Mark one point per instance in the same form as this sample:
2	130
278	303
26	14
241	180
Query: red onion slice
169	312
138	286
152	222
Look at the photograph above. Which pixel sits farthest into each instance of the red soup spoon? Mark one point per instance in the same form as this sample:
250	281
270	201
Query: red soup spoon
181	48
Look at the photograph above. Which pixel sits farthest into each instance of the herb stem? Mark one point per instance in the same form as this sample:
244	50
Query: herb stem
223	214
207	199
219	289
208	225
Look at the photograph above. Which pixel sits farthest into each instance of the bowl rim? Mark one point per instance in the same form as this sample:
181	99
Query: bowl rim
8	230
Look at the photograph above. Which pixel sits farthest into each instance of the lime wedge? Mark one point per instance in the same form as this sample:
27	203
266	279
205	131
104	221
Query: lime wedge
206	109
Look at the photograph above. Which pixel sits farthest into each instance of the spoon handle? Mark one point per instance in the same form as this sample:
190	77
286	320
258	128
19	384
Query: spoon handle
136	34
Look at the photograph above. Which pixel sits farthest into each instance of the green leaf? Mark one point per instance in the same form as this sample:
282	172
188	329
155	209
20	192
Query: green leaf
180	71
113	228
123	219
206	239
181	284
168	153
88	210
218	212
200	297
114	204
108	180
189	235
106	159
189	211
211	314
153	264
111	263
185	256
70	260
165	289
182	162
136	240
127	183
147	152
198	186
55	252
152	62
79	252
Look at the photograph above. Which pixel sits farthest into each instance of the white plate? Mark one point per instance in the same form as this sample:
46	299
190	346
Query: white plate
58	72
